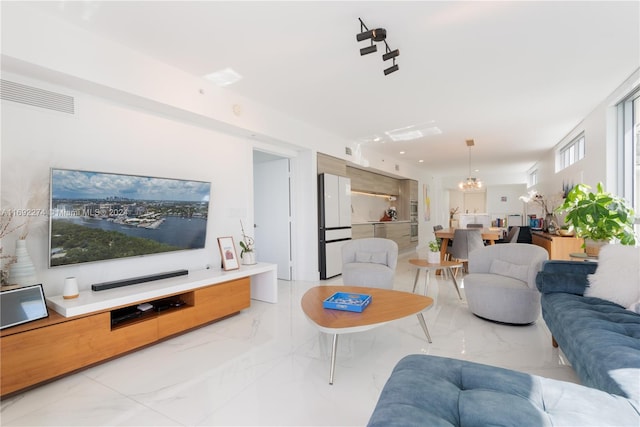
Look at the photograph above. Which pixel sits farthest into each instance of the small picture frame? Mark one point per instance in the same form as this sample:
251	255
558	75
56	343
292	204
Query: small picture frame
228	253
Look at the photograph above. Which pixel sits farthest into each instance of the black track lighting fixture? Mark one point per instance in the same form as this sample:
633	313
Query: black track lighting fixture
390	69
377	35
390	54
369	49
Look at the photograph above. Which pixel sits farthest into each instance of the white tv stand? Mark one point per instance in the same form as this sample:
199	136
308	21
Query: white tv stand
264	287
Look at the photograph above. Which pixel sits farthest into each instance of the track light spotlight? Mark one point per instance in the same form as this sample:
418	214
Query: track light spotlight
369	49
390	54
391	70
378	35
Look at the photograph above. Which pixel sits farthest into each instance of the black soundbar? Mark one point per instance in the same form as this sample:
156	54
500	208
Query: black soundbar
134	280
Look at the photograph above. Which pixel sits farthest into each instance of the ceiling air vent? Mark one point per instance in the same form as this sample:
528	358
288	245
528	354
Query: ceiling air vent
397	168
347	151
16	92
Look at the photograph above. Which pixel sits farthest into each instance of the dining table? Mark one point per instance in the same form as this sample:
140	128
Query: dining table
446	234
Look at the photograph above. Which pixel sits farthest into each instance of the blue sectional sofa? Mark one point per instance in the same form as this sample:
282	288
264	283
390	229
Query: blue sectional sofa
601	340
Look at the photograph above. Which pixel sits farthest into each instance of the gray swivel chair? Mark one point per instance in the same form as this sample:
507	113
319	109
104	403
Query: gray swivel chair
465	241
369	262
501	284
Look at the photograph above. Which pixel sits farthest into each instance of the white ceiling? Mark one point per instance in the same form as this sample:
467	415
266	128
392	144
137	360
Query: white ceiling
514	76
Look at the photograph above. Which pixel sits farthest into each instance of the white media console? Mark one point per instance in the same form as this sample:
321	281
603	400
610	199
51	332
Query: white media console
264	287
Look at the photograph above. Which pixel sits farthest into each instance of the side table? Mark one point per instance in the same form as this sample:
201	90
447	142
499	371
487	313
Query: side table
447	266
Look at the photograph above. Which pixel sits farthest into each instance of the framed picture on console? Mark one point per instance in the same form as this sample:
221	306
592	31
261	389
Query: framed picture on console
228	253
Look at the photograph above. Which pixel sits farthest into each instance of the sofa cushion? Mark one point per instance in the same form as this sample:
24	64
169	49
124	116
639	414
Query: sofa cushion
373	257
617	278
437	391
564	276
509	269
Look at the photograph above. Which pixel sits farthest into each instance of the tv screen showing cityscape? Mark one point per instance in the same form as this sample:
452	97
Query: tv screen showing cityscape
97	216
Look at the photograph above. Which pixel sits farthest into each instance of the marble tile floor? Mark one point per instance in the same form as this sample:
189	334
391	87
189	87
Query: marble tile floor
269	365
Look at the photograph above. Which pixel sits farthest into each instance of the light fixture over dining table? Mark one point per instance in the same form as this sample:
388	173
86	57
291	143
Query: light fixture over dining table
471	183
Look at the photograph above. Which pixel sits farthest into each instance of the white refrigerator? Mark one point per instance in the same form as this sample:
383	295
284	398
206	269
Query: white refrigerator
334	222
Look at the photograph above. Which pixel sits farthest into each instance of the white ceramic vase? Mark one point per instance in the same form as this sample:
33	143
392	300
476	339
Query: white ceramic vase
22	272
433	257
249	258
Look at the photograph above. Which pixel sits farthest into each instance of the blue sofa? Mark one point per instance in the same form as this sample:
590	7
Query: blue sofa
601	340
438	391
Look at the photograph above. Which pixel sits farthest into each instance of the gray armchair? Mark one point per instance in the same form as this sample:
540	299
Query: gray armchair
369	262
501	284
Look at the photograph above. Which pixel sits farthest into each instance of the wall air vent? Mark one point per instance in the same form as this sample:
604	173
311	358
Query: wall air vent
16	92
347	151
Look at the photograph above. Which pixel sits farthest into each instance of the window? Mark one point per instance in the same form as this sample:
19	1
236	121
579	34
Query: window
571	153
629	151
533	178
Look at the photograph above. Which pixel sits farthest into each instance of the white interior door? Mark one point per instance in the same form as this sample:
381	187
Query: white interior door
272	213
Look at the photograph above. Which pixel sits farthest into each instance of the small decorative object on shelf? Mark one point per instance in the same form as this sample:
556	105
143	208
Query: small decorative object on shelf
228	253
247	244
548	205
70	289
347	302
433	256
22	272
452	213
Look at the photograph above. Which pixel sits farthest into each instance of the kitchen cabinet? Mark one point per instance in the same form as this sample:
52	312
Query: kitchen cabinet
407	202
400	232
332	165
361	231
369	182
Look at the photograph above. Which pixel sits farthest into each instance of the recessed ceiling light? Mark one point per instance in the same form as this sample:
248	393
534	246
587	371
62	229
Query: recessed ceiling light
413	132
420	161
402	152
224	77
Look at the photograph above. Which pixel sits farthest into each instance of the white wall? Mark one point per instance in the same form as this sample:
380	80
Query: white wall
107	137
599	163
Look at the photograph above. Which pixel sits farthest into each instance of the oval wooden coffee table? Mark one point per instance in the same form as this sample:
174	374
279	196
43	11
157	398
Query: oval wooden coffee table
386	306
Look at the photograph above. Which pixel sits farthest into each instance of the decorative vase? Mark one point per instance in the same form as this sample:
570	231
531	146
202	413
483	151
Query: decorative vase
433	257
22	272
249	258
549	221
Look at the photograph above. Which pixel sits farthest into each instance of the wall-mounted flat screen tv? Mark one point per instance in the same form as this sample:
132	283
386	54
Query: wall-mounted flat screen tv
97	216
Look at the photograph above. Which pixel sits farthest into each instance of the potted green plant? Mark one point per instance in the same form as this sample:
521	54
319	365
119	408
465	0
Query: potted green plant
599	217
433	256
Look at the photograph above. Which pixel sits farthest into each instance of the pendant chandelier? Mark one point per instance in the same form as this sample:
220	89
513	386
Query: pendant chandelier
471	183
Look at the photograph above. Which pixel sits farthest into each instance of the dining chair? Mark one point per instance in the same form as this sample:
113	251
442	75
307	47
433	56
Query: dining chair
437	228
465	241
